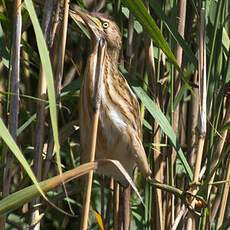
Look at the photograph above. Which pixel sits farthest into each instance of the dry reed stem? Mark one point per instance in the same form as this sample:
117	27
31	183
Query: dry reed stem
202	110
116	206
216	156
109	204
222	140
41	114
14	99
158	175
53	45
101	46
129	50
62	45
102	188
219	146
178	218
59	75
193	120
157	209
224	199
126	207
158	160
129	54
89	179
177	85
26	73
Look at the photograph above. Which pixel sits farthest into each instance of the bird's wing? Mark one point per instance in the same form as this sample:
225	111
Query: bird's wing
119	93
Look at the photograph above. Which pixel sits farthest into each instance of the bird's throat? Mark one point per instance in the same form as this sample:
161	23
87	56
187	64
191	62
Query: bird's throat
113	55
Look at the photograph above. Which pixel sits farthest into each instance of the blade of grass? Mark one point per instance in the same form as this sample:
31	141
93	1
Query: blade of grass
25	195
45	59
164	124
172	29
8	139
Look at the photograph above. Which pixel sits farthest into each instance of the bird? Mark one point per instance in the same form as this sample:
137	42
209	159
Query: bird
119	126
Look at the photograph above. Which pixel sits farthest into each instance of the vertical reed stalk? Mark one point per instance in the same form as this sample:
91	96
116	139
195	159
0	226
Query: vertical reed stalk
224	198
220	144
126	207
157	221
26	72
62	45
116	206
14	98
176	116
158	160
100	55
129	50
130	55
41	114
54	50
193	120
202	109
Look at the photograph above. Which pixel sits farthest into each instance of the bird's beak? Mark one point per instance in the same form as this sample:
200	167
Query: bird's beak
91	22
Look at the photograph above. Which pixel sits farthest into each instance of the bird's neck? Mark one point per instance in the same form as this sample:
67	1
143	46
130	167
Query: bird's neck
113	56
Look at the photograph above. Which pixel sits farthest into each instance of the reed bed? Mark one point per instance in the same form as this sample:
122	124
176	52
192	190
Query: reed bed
175	56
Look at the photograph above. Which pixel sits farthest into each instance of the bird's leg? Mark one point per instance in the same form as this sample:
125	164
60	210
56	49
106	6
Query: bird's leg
98	76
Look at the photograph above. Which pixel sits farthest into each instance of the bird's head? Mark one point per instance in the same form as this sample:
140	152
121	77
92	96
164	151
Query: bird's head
101	26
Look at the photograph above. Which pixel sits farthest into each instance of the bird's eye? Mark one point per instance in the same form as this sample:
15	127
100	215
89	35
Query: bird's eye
105	25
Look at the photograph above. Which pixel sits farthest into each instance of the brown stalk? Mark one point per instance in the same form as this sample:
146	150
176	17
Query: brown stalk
53	44
158	160
126	207
179	217
217	158
202	110
129	50
62	45
14	99
102	185
202	94
158	175
215	206
158	216
224	199
176	113
109	206
222	140
40	123
59	70
26	71
219	146
100	52
116	206
193	111
129	54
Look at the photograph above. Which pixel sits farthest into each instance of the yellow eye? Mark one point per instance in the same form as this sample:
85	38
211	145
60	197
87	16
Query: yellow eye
105	25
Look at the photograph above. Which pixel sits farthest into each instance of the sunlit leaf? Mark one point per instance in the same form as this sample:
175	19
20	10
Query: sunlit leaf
17	199
99	220
164	124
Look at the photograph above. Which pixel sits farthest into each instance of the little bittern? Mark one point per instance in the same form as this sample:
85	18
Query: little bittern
119	127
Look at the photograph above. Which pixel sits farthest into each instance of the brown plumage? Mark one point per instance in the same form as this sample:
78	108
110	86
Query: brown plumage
119	128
